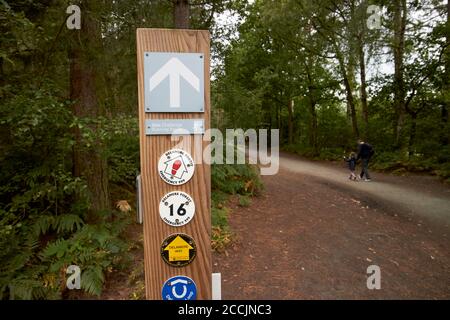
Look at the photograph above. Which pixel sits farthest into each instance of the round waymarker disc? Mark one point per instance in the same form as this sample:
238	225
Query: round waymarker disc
178	250
176	167
176	208
179	288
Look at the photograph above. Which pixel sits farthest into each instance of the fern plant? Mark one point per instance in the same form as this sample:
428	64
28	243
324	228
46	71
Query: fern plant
43	206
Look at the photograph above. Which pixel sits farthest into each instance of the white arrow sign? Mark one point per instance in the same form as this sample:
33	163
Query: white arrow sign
173	69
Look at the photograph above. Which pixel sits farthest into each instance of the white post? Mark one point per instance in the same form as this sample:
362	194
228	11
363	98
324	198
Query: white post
216	286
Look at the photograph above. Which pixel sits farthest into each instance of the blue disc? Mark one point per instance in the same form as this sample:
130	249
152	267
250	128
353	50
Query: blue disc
179	288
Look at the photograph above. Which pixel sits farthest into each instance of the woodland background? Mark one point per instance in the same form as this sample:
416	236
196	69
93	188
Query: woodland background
69	143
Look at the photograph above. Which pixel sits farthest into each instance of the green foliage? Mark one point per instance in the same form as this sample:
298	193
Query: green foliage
221	235
46	221
63	223
123	149
219	217
242	180
92	280
289	51
401	163
233	179
36	251
43	206
244	201
94	248
219	211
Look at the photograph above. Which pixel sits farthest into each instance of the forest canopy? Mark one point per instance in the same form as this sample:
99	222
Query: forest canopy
329	72
325	73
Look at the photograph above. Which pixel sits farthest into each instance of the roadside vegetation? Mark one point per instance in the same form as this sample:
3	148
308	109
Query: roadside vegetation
241	181
69	150
326	73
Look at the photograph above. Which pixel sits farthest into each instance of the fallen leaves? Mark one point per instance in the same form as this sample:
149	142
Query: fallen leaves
123	206
220	239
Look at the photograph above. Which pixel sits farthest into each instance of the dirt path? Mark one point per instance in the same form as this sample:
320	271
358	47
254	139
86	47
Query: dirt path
418	195
313	234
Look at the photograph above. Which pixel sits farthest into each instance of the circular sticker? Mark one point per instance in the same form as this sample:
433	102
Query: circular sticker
179	288
176	167
176	208
178	250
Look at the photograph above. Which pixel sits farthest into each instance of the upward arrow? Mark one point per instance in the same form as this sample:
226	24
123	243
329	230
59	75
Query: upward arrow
173	69
178	249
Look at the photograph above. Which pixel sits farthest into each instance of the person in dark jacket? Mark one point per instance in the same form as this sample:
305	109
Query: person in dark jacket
351	161
365	152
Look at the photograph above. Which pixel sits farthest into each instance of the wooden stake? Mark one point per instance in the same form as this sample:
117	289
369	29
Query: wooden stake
154	188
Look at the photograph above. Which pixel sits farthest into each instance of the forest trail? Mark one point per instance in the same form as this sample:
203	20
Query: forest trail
417	195
313	233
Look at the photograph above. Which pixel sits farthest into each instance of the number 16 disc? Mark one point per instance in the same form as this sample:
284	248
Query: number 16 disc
176	208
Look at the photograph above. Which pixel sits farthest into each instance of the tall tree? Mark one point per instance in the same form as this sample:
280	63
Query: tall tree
332	22
312	102
360	35
446	86
291	121
181	14
278	56
88	161
348	85
398	48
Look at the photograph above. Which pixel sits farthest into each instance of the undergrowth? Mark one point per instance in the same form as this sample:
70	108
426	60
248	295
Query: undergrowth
242	180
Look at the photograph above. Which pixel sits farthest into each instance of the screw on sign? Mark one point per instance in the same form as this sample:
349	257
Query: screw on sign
176	167
178	250
174	82
179	288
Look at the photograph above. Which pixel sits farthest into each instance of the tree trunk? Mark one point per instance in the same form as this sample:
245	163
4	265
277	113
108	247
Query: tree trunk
291	121
313	129
400	14
280	123
313	123
444	119
446	86
87	161
357	32
181	12
351	105
363	89
2	77
312	109
269	139
412	134
349	72
348	90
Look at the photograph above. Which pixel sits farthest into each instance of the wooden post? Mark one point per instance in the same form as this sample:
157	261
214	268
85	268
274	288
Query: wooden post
154	188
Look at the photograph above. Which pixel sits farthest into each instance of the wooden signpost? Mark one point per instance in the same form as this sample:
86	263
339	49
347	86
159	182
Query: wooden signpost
173	93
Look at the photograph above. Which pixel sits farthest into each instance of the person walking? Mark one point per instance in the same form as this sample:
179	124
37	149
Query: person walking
351	161
365	152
